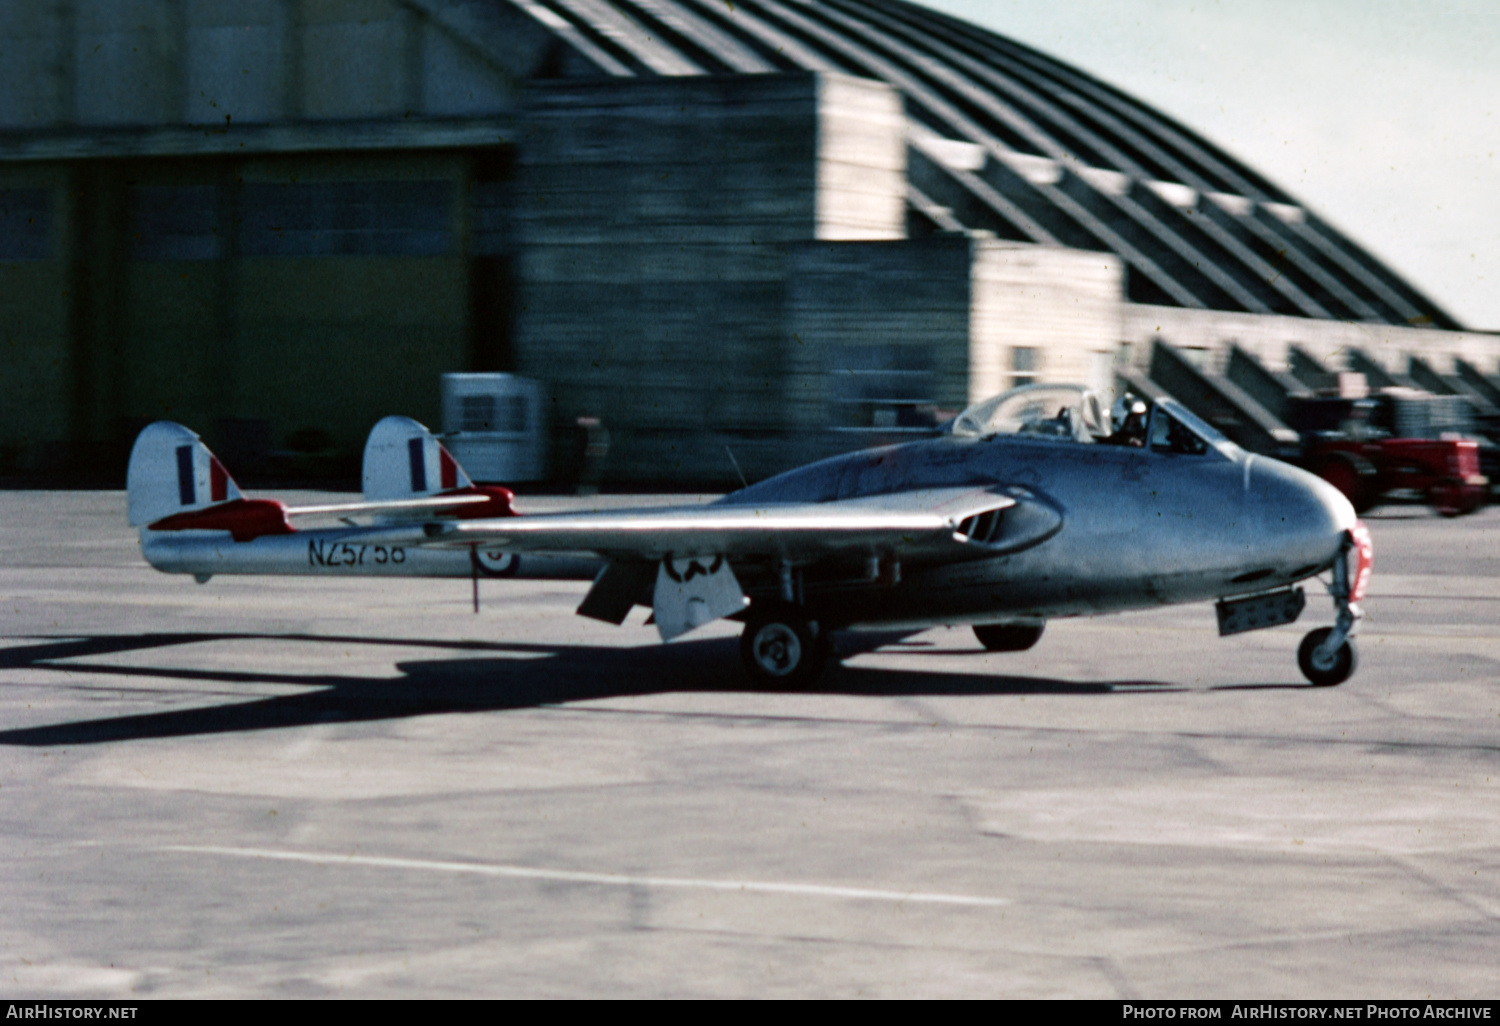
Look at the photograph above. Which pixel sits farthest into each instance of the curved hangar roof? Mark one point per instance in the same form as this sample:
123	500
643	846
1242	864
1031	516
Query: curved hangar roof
1005	139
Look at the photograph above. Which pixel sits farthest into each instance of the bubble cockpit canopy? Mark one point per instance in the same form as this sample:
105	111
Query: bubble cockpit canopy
1077	414
1057	411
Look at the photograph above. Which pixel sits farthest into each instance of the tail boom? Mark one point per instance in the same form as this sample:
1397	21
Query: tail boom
193	518
350	552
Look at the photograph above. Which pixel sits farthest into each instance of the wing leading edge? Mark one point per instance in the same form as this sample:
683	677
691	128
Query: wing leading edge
689	550
921	522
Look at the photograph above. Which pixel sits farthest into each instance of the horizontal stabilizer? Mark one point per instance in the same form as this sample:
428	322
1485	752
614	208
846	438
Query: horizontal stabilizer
435	505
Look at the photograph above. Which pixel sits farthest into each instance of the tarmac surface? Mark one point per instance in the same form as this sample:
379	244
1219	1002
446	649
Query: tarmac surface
268	787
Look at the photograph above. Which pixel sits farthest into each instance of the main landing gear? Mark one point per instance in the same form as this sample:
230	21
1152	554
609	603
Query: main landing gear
781	647
1326	655
1008	637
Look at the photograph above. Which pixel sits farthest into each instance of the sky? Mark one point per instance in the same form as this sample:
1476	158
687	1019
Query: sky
1382	116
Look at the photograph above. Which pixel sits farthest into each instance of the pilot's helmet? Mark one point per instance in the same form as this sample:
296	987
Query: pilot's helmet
1129	415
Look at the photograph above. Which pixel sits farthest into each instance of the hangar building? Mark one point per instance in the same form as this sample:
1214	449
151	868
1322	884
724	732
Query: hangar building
782	226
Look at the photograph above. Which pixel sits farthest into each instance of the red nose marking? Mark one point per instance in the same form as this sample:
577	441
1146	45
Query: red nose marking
1364	561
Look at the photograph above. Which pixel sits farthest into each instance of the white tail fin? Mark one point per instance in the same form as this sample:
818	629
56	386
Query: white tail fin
404	461
172	471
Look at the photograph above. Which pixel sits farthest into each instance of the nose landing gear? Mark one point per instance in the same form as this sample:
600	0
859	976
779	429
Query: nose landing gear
1326	655
1324	659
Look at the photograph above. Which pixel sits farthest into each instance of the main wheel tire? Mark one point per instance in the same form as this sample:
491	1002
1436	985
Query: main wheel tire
1008	637
1325	672
781	648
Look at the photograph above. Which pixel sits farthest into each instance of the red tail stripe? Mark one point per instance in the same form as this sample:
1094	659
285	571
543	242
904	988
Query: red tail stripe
449	468
218	480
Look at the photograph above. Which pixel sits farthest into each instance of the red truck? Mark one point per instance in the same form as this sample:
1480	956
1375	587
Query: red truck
1390	442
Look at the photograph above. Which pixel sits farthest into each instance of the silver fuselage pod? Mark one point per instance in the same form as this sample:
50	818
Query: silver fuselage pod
1131	528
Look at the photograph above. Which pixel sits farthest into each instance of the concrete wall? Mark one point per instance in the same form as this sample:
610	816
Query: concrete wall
861	177
35	80
648	223
119	63
653	220
869	320
1268	338
1064	305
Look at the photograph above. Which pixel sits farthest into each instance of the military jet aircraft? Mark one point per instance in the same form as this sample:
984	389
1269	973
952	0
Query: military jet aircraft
1034	505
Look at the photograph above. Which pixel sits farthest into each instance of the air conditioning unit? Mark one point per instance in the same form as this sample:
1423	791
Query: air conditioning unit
494	425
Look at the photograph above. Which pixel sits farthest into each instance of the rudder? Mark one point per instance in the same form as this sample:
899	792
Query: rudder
404	461
171	471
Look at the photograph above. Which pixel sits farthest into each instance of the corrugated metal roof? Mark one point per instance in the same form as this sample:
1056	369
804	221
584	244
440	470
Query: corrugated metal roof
1195	227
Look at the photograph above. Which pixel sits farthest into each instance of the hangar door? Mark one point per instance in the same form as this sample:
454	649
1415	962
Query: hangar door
284	304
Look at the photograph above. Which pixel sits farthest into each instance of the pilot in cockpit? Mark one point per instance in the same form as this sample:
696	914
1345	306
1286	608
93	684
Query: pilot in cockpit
1129	419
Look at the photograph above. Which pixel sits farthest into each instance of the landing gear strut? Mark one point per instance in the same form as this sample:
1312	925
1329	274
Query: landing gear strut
1326	655
781	647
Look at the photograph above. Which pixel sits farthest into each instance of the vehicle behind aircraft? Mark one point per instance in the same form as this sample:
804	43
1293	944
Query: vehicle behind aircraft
1371	447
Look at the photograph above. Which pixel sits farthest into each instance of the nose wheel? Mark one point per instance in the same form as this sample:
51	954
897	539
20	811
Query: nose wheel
782	648
1326	655
1322	664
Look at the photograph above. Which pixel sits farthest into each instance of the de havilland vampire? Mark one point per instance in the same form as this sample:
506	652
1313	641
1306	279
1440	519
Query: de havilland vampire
1035	505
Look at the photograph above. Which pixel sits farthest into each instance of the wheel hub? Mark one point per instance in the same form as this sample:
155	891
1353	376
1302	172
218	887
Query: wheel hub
1324	658
777	649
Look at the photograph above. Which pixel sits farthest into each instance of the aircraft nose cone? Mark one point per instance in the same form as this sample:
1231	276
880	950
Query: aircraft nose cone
1305	518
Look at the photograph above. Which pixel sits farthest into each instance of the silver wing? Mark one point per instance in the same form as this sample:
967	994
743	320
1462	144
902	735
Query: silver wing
688	551
927	522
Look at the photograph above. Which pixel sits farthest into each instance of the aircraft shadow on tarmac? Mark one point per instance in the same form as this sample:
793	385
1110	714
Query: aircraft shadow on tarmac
469	682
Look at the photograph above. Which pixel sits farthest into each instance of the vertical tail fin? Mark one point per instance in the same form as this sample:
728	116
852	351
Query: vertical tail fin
172	471
404	461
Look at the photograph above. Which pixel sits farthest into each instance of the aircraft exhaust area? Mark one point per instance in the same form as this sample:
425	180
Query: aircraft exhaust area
356	787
